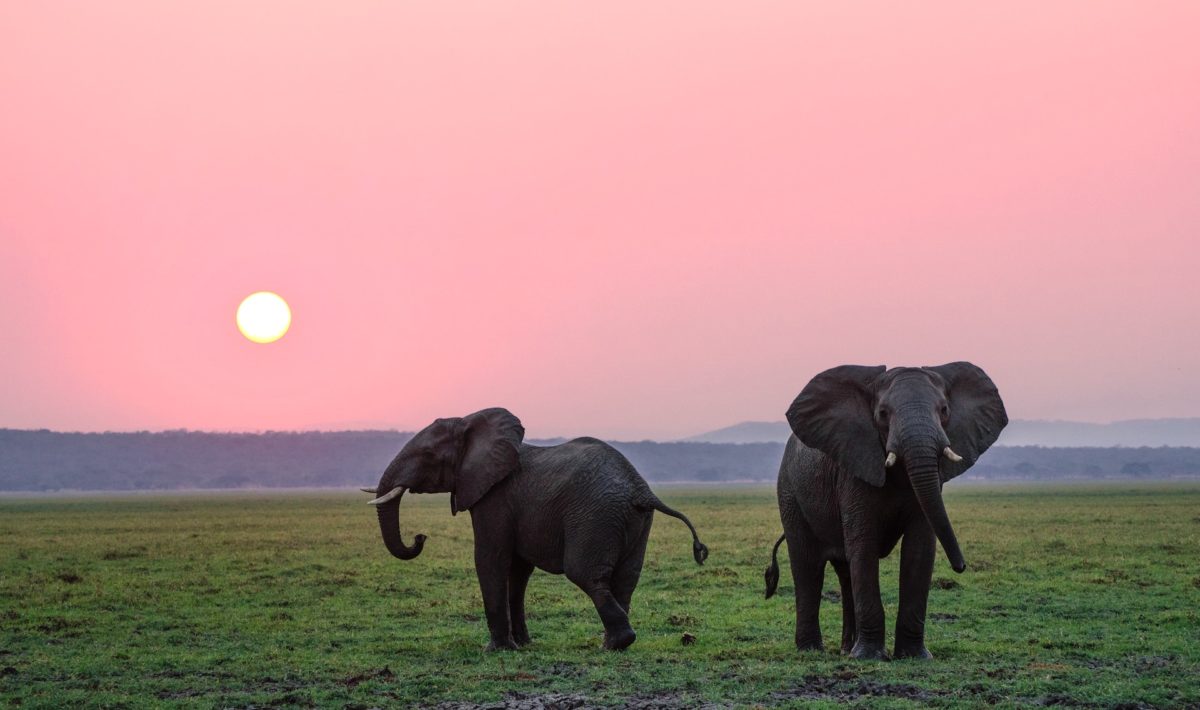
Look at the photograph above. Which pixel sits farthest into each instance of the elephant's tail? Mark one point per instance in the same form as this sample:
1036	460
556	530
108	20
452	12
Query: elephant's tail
772	573
699	550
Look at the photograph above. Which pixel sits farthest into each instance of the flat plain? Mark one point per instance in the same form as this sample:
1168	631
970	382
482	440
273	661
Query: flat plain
1084	595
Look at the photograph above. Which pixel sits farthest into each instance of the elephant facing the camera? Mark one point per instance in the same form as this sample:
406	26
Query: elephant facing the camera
870	450
579	509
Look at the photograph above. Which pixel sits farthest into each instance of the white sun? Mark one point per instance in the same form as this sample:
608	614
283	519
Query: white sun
264	317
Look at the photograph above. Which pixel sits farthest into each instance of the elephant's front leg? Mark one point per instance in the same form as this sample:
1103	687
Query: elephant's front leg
917	555
863	553
518	578
492	565
848	624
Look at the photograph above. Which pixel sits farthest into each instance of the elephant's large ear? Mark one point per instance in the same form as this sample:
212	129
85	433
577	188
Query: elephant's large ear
833	414
977	414
492	453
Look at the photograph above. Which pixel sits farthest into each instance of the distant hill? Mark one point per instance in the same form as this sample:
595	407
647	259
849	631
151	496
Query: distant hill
1020	432
174	460
745	433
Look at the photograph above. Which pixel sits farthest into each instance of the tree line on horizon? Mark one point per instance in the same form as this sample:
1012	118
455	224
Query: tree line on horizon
174	460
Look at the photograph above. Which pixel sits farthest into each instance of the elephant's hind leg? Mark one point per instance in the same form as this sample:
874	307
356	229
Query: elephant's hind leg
595	576
808	576
518	578
618	634
629	569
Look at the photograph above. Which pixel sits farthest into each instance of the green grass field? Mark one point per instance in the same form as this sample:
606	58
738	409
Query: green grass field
1083	595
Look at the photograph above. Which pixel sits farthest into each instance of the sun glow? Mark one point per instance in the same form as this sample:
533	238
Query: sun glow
264	317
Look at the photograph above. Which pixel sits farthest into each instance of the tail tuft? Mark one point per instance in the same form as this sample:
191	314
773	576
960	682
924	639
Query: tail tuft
772	574
699	551
772	577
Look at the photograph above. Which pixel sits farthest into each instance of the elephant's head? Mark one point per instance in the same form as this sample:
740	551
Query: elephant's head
463	456
934	421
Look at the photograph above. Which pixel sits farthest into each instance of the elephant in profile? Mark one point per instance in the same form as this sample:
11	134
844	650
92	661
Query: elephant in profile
579	508
870	450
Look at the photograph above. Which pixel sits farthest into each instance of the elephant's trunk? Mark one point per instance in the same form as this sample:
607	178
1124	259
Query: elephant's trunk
389	527
921	461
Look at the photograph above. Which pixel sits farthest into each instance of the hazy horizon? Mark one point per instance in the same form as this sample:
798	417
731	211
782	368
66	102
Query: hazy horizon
558	210
1021	432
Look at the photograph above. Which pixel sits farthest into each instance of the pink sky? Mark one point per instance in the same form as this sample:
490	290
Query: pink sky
620	219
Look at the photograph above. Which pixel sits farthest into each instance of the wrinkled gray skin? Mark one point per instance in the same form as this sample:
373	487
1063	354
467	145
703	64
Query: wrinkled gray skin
840	503
578	509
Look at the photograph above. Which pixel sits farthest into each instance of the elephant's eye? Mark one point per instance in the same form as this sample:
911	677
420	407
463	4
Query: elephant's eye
882	416
945	412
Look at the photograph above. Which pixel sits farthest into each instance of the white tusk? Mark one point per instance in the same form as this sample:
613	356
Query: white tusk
949	452
890	460
368	490
394	493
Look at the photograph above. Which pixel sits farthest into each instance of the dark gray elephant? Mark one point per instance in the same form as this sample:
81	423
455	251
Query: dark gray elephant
865	466
579	509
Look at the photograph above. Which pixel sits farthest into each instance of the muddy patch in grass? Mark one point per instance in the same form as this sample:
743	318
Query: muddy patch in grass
523	701
562	669
384	673
681	620
665	700
817	688
1053	700
130	553
61	627
1145	664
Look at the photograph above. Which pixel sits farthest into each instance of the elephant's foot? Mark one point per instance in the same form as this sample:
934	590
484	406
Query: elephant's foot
507	644
917	651
808	633
849	636
619	640
869	651
521	638
809	642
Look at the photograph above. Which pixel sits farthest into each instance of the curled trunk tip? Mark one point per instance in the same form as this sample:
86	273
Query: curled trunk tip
389	528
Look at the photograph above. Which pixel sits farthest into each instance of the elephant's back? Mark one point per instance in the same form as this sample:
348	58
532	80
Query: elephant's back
588	464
